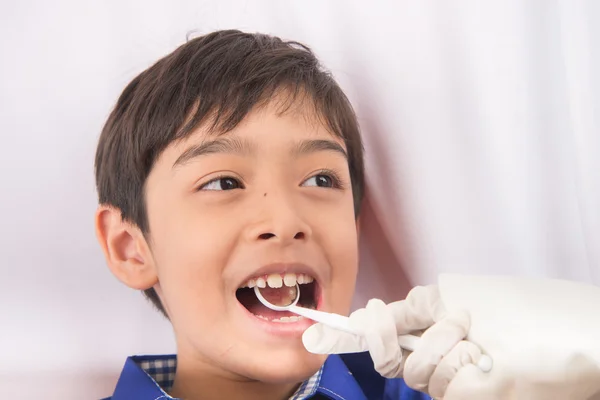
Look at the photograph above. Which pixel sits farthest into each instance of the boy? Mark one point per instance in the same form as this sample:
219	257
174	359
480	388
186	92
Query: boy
235	161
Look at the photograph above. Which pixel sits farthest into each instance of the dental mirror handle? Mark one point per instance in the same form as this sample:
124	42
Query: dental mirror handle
340	322
332	320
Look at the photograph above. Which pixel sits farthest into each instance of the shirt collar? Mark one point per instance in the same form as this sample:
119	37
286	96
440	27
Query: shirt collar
151	377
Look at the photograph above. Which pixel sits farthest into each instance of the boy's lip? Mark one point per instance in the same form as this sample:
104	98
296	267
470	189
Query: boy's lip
282	268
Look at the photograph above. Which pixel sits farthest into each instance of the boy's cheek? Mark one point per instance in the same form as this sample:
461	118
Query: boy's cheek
343	292
192	291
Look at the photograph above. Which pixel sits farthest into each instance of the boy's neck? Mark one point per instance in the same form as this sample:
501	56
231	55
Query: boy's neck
200	382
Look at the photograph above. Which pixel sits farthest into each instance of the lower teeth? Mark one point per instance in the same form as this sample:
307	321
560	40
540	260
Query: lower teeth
293	318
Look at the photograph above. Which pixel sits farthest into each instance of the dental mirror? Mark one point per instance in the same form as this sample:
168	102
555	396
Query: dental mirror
294	297
342	323
333	320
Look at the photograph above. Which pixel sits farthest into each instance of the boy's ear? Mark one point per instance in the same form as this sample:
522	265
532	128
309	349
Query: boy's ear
125	248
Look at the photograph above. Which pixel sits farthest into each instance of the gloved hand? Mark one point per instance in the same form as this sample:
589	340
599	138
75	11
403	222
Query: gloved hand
543	335
439	355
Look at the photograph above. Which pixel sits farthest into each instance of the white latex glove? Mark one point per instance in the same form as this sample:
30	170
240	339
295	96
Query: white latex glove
543	335
440	353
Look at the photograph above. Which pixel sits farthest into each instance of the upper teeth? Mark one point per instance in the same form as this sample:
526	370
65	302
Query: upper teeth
278	280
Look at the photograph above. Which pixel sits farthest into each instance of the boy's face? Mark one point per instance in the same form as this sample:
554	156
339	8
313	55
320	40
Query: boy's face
262	199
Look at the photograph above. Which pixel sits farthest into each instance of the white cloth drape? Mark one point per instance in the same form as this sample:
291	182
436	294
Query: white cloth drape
484	148
480	123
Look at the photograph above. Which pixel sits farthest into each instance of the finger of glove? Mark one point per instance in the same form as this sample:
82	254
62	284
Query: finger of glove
471	383
435	343
376	324
321	339
420	310
464	353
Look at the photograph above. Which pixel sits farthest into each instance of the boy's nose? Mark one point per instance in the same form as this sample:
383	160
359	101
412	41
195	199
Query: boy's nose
282	232
281	225
269	235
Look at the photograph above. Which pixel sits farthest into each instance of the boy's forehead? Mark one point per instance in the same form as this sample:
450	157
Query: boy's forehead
256	131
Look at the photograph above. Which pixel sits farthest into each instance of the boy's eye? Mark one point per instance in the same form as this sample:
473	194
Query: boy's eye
321	180
224	183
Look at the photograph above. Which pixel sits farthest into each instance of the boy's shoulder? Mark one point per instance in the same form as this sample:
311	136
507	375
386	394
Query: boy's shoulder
348	377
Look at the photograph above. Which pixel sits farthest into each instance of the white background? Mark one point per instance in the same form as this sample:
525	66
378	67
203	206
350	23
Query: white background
481	122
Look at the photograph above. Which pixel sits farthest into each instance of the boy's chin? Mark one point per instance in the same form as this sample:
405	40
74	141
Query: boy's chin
277	369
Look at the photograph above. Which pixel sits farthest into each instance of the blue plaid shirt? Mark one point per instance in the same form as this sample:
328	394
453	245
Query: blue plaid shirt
345	377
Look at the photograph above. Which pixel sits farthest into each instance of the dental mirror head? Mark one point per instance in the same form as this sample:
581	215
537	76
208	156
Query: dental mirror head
287	303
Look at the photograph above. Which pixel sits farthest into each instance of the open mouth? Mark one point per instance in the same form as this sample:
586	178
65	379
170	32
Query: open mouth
278	289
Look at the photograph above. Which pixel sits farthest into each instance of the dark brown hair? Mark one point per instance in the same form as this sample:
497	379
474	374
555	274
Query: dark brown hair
215	80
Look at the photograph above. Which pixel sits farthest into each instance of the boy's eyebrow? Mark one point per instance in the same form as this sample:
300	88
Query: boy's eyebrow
312	146
220	145
240	146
